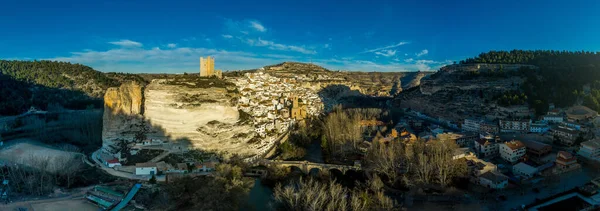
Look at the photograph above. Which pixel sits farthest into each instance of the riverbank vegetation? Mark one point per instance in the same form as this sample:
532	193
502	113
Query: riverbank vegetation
311	194
226	189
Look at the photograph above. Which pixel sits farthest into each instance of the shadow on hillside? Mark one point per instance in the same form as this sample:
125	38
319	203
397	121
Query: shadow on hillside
333	95
63	117
16	97
120	128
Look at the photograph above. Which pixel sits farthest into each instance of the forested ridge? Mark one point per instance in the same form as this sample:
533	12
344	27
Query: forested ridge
57	84
560	78
55	74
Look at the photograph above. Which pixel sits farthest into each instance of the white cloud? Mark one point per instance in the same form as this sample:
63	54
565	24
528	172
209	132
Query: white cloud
422	53
327	46
362	65
386	53
409	60
385	47
171	45
175	60
126	43
426	61
276	46
257	26
227	36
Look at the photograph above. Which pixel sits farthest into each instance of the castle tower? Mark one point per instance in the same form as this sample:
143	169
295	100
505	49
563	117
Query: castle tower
207	66
295	102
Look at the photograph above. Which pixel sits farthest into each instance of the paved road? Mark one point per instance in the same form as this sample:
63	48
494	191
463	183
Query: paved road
115	172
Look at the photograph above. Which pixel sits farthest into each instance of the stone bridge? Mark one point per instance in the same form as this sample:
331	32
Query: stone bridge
306	166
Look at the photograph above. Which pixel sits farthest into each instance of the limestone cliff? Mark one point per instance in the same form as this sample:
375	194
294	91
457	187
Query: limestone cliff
122	108
184	112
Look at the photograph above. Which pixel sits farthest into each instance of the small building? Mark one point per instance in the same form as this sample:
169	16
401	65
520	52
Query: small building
553	118
148	168
565	162
109	160
204	167
539	127
489	127
163	167
590	149
467	139
515	125
537	149
112	163
572	124
524	170
462	140
181	167
512	151
493	179
486	147
471	125
460	153
565	135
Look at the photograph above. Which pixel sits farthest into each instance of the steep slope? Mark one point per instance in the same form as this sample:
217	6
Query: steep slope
562	77
186	112
459	91
44	83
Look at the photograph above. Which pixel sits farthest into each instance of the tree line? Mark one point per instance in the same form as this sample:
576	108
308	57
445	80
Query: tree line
40	83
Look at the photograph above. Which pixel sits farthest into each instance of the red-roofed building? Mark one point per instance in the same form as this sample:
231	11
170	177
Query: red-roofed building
565	162
112	163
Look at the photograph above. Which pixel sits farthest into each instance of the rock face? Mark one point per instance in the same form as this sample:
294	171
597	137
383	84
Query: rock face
122	108
457	91
196	117
182	113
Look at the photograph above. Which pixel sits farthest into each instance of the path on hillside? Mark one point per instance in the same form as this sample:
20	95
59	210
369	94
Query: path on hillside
160	157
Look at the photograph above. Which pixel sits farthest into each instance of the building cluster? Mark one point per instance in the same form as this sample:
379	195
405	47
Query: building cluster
496	162
276	103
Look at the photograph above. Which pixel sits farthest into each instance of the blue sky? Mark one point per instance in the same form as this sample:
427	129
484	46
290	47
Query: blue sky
170	36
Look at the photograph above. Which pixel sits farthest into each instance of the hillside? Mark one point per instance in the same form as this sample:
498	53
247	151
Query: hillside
43	83
295	67
501	84
560	78
368	83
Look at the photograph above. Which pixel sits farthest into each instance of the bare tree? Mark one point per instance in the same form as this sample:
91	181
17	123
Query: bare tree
313	195
386	158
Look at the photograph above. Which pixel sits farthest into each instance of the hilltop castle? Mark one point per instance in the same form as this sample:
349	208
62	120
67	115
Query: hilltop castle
207	68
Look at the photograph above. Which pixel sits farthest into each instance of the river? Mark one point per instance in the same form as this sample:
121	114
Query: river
314	153
259	198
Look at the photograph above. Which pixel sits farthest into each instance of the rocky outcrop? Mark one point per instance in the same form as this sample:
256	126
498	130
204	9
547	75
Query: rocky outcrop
181	112
123	107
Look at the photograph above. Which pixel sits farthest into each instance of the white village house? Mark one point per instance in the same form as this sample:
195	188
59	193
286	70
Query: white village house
146	168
